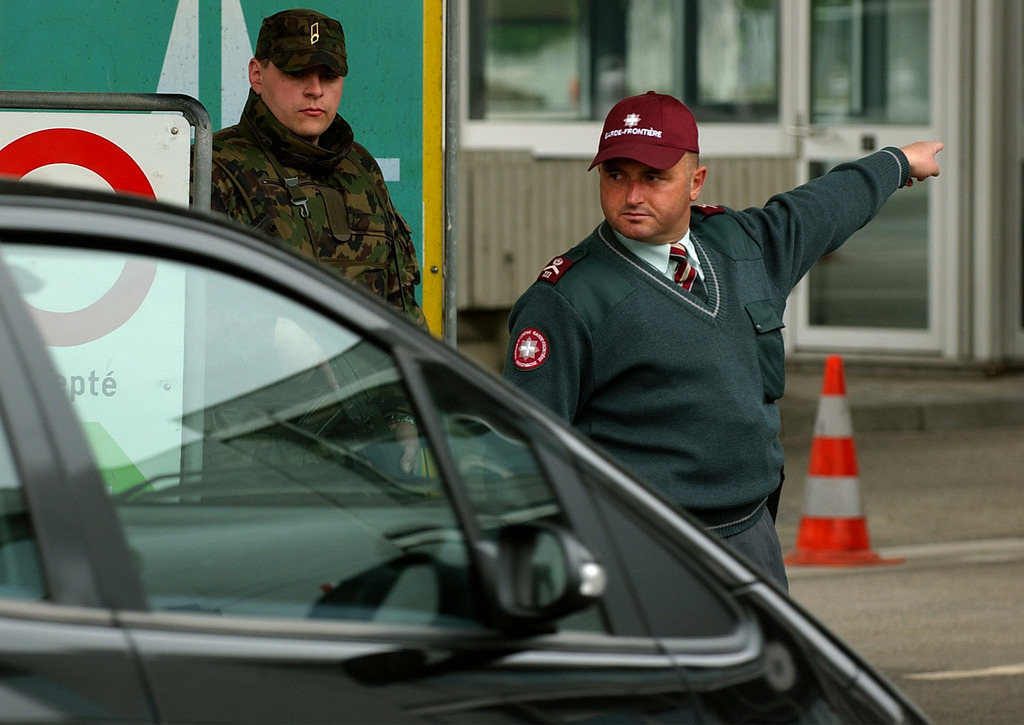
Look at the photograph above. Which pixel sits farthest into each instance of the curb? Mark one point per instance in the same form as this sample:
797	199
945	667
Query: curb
894	403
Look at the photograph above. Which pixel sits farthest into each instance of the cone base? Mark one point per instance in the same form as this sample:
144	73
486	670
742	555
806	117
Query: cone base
834	542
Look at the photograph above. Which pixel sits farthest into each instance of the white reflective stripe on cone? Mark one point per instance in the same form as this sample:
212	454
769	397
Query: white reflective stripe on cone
833	497
833	417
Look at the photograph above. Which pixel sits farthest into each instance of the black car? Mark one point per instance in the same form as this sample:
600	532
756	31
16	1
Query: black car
236	489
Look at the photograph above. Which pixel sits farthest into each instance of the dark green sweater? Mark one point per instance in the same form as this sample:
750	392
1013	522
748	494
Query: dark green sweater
678	390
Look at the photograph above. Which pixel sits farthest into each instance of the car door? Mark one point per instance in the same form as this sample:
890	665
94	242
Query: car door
327	521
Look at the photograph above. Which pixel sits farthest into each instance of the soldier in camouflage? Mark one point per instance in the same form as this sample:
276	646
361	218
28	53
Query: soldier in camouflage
292	168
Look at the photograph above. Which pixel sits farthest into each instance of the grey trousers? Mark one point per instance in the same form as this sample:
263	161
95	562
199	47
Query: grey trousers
760	544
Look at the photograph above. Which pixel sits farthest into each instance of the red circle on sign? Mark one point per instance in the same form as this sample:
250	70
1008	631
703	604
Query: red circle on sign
77	148
115	166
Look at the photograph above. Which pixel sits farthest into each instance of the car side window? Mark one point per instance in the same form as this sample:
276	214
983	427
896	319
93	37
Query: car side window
263	459
499	465
20	572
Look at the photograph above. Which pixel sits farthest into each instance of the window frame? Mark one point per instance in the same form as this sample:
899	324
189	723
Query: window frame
550	457
547	139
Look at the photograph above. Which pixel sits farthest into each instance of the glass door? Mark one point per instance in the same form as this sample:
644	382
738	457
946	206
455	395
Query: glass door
1015	185
868	84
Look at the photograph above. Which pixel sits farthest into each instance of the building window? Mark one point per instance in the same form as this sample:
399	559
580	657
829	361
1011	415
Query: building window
573	59
879	278
870	61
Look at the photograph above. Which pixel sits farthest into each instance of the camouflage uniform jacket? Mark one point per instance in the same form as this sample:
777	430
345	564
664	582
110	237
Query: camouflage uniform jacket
335	207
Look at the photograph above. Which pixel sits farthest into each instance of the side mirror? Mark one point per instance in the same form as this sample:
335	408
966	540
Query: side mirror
543	573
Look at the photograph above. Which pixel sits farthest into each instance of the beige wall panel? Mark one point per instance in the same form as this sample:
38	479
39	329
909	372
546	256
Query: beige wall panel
517	212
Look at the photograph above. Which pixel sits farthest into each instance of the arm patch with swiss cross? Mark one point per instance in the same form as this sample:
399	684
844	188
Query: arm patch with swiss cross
531	349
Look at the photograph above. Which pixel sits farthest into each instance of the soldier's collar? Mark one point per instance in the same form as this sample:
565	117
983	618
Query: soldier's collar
291	149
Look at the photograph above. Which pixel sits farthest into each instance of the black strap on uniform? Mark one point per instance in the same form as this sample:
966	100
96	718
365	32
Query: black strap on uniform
291	183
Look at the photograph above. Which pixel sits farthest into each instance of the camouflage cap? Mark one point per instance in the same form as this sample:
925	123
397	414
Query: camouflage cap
294	40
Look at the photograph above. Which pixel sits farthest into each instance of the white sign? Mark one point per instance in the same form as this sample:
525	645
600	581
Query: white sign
115	326
133	153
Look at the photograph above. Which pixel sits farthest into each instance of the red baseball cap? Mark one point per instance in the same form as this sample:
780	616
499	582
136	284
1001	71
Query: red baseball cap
652	128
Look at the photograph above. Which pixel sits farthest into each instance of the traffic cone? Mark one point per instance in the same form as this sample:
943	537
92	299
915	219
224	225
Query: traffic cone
833	529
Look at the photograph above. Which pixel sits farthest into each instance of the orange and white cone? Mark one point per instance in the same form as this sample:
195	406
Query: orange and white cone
833	529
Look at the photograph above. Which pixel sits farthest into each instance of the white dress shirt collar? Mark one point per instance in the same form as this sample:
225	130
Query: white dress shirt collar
656	255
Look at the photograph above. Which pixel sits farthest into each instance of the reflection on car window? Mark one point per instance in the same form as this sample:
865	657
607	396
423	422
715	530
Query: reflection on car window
20	573
263	459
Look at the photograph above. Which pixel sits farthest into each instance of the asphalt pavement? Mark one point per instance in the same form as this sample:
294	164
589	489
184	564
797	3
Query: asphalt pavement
940	456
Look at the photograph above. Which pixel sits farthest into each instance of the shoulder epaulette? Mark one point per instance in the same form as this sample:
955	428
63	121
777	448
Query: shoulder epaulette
725	234
700	212
554	270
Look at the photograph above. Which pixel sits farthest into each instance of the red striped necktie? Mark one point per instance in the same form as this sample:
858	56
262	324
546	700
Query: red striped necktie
686	276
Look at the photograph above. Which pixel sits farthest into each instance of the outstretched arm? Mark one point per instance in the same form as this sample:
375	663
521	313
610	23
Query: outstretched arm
921	155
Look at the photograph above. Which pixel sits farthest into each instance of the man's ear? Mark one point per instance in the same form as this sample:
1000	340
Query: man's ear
699	175
255	76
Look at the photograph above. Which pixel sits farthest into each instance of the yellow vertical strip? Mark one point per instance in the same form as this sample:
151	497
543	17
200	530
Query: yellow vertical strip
433	164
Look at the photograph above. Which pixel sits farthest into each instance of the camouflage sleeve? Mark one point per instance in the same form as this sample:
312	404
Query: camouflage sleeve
227	196
403	295
231	189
